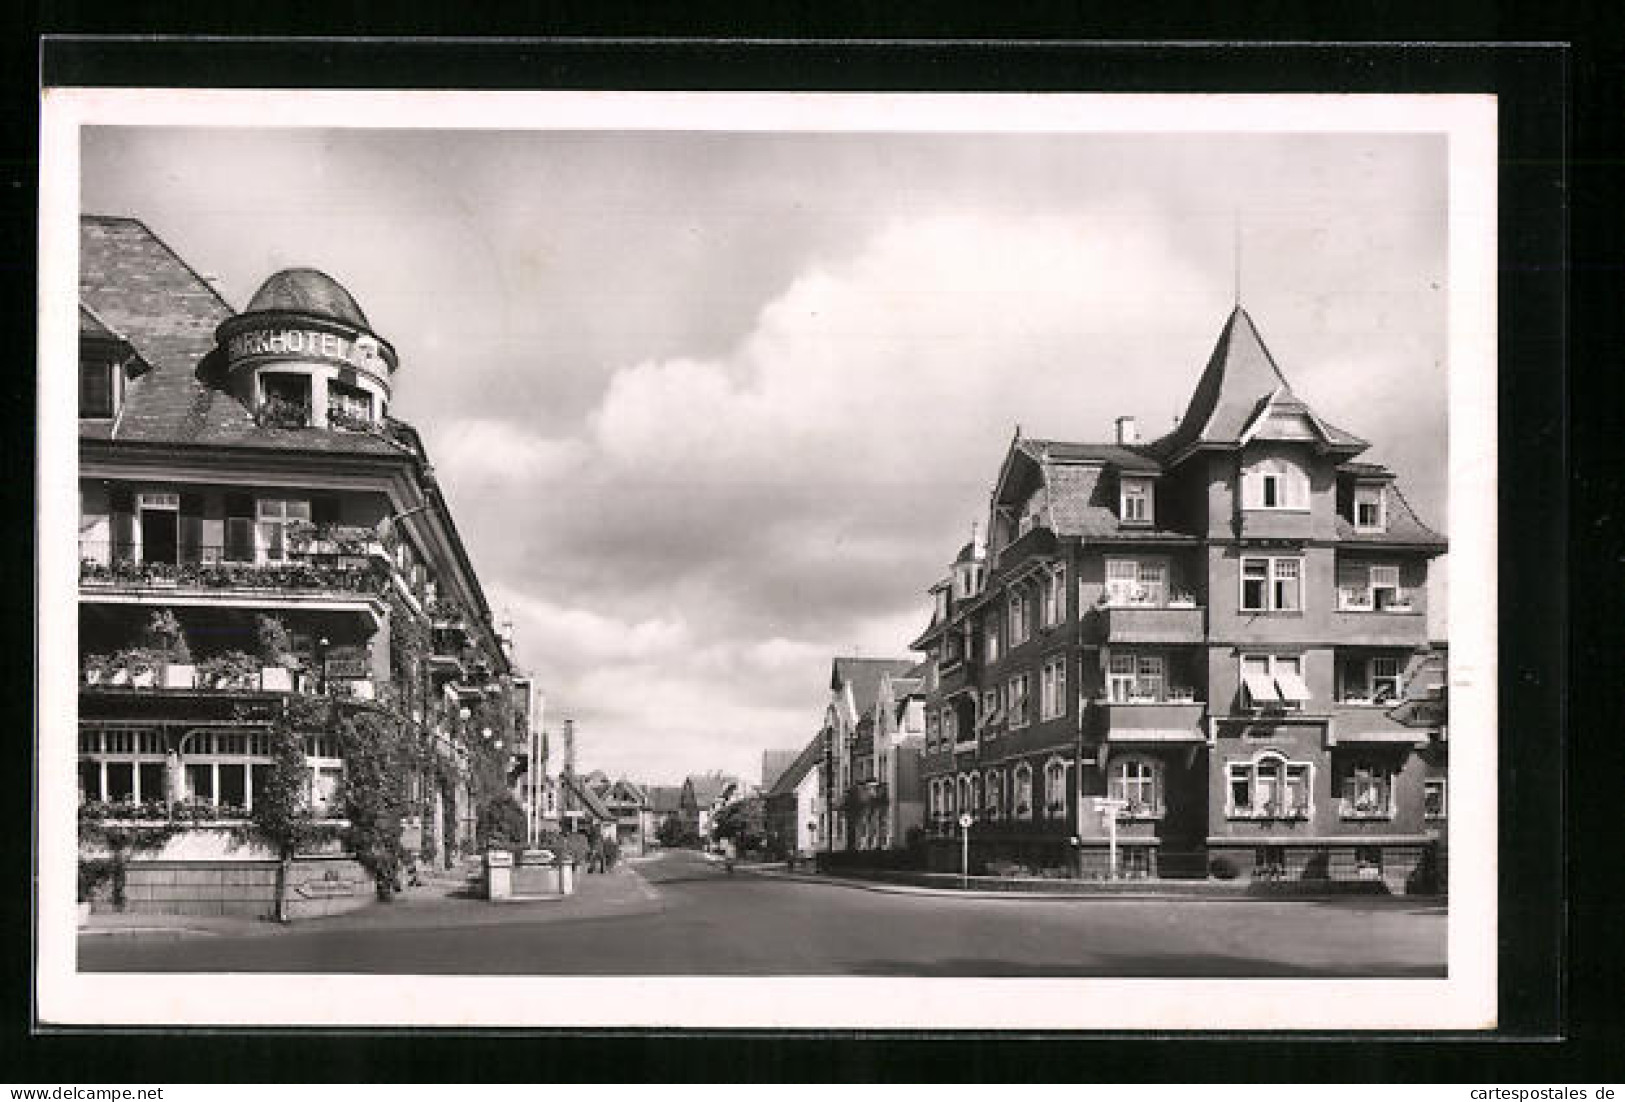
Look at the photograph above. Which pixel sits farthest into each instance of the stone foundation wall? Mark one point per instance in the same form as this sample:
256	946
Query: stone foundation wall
316	886
1400	863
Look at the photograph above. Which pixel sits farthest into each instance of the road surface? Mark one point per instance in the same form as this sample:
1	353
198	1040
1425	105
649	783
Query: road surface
681	915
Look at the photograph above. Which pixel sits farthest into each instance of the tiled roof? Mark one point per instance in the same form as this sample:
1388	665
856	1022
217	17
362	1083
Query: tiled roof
775	762
709	786
587	798
664	799
1124	457
92	326
1404	527
140	290
864	675
1240	376
1083	503
796	772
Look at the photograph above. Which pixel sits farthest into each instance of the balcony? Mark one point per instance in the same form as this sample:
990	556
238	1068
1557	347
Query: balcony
322	572
137	671
1151	721
1169	622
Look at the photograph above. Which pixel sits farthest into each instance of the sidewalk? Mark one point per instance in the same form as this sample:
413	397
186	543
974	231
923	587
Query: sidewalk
440	901
1190	891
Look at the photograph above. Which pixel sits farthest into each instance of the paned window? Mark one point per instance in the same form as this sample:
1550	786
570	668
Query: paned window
1270	584
98	393
1053	608
1136	500
1275	484
1015	702
1367	791
995	789
1053	688
1136	582
1434	798
1018	618
1370	509
1136	677
1121	669
1023	796
1268	787
1055	789
1138	783
274	515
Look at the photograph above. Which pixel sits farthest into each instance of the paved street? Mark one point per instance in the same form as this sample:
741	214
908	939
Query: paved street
678	914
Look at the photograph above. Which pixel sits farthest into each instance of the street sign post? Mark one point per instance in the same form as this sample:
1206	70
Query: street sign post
1108	809
964	850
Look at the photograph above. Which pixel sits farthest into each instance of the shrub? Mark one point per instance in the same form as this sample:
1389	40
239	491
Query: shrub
271	634
501	824
1222	868
165	635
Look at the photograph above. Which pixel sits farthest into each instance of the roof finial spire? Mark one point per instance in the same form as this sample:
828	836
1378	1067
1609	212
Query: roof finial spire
1236	255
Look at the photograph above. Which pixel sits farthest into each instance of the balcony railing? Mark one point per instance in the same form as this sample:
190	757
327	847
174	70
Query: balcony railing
1160	720
218	569
110	672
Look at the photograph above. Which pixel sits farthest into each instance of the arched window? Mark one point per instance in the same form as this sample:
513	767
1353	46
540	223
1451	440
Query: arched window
975	794
995	785
1055	789
1138	783
1023	796
964	805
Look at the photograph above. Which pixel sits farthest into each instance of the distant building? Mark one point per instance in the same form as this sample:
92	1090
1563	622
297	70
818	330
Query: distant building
634	820
665	803
705	794
857	798
794	804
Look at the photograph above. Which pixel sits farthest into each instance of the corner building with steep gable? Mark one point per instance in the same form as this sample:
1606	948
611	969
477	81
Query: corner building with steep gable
1212	645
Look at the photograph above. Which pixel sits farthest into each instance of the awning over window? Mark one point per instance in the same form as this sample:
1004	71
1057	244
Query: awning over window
1260	688
1292	686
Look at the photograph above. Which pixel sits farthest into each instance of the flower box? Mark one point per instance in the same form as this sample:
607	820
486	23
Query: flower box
180	675
144	679
276	679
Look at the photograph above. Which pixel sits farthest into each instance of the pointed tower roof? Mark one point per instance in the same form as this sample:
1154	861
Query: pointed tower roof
1240	385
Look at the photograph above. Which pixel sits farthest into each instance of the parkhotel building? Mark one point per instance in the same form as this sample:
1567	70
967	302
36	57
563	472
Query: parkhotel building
1203	654
256	527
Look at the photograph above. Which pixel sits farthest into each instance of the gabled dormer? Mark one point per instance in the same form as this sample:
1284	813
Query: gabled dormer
107	364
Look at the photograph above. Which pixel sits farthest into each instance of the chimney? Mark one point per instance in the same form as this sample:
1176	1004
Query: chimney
1127	431
569	748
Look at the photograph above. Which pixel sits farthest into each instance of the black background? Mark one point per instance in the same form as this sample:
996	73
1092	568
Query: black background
1562	496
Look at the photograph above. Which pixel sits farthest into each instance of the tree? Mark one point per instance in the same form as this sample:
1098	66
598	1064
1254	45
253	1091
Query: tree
674	832
744	821
501	824
373	795
281	817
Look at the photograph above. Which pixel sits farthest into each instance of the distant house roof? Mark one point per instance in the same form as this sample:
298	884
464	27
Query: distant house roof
864	675
775	762
804	762
587	798
709	787
664	799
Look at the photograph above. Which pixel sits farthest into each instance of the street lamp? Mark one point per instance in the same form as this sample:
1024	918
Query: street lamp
965	821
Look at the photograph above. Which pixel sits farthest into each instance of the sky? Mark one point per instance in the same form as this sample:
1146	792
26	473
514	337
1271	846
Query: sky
711	408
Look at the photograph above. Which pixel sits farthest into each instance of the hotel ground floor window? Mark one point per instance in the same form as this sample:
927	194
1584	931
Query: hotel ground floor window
1023	797
1138	783
1367	790
1269	786
1368	861
227	768
122	765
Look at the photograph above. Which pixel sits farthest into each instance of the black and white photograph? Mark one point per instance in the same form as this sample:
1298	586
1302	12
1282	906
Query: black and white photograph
768	560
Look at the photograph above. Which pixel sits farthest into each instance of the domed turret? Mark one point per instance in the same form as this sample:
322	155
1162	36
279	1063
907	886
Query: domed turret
304	355
307	291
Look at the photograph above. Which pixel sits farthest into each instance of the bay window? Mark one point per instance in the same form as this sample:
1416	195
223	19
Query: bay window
1267	787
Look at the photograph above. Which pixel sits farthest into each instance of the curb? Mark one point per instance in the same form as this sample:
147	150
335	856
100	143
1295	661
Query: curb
1085	894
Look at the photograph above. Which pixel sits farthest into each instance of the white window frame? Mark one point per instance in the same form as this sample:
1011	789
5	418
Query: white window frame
1147	783
1441	784
1273	576
992	795
1018	696
1017	608
1380	578
1052	688
1375	496
1270	803
1052	609
270	524
1022	776
1375	773
1055	789
1136	499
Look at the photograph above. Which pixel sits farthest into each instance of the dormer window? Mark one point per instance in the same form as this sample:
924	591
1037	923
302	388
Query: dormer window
1370	509
1135	500
100	387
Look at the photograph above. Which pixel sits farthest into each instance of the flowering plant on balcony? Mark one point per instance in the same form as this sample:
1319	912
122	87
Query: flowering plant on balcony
1140	809
283	413
341	417
232	670
1182	598
103	810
